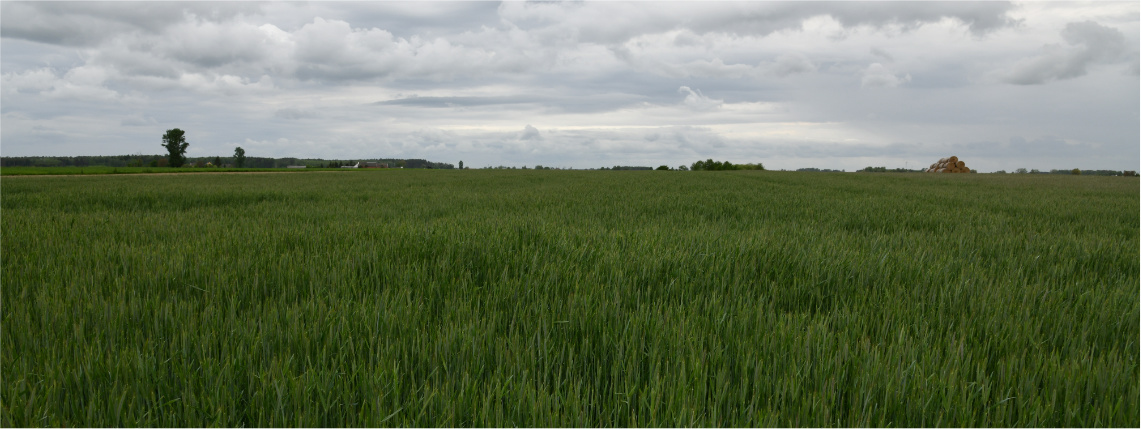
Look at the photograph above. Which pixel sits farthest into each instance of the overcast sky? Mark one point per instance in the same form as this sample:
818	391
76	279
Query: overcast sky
839	85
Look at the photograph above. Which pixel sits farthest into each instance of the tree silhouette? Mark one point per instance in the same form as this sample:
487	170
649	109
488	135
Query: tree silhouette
175	142
239	157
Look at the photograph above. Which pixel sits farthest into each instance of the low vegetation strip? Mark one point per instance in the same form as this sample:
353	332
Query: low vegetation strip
570	298
87	171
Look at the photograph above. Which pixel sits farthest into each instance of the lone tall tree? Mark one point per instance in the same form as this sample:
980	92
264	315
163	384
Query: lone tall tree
175	142
239	157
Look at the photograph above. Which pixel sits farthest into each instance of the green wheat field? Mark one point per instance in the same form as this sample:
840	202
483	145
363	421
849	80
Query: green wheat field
569	298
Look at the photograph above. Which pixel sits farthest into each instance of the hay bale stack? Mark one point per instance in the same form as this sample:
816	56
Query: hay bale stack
950	164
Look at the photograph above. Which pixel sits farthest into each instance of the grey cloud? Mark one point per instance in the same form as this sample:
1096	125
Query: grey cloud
145	40
402	19
21	55
210	45
458	101
134	63
782	66
1044	146
546	103
878	76
973	153
1102	42
30	81
530	133
138	121
332	50
791	64
1055	63
616	22
980	17
882	54
433	136
1089	43
705	68
209	36
291	113
591	103
686	38
258	71
694	99
89	23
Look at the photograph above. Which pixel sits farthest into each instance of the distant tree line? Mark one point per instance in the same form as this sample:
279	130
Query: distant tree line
80	161
537	167
217	161
820	170
1090	172
1075	171
887	170
391	162
711	165
240	160
626	167
421	163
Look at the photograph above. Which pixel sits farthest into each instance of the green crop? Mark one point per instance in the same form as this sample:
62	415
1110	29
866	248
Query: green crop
569	298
